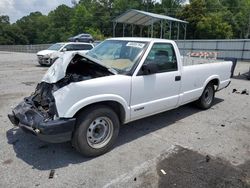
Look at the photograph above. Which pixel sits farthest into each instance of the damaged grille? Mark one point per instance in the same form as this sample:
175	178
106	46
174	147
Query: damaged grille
43	99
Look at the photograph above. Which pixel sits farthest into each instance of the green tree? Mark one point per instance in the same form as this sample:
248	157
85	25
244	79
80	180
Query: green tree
213	27
81	19
240	17
193	13
10	34
213	6
59	24
4	19
32	26
60	17
120	6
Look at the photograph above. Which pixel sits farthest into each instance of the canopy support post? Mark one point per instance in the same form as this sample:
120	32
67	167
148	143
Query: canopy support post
114	25
170	32
132	29
161	29
178	31
141	31
164	30
185	28
152	29
185	32
123	30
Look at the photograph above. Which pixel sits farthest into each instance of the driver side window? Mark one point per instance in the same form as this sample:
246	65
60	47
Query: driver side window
163	55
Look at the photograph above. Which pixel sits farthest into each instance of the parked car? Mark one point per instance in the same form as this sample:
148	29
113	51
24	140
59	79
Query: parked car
49	56
85	98
84	37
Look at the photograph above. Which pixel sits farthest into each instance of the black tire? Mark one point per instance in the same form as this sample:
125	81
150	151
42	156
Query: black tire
207	97
87	130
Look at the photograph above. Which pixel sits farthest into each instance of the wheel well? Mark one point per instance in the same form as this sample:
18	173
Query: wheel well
215	82
116	106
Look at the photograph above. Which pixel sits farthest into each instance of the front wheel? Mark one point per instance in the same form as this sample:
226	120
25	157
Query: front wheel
97	130
207	97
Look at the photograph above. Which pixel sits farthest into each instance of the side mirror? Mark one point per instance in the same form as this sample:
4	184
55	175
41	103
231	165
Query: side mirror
64	49
150	68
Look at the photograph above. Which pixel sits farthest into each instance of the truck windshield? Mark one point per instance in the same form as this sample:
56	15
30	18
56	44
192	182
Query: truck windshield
55	47
118	54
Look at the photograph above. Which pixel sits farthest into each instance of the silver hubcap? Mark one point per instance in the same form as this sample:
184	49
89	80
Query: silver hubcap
100	132
208	95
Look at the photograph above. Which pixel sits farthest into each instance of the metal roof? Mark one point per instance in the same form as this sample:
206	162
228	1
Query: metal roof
138	17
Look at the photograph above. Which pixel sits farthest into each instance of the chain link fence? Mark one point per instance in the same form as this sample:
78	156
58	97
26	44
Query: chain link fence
24	48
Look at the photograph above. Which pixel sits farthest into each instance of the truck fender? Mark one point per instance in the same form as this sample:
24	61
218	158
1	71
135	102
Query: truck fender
209	79
98	98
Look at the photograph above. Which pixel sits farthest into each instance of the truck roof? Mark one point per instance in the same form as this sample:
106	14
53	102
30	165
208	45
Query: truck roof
140	39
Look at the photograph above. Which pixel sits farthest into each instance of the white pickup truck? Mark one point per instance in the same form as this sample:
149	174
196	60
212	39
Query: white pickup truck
85	99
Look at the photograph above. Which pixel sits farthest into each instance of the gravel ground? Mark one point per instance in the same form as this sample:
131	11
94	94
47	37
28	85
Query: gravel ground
220	132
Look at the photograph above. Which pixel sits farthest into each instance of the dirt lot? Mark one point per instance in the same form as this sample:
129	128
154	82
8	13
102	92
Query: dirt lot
213	146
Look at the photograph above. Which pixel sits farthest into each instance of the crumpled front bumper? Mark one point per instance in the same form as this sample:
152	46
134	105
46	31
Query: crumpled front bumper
31	120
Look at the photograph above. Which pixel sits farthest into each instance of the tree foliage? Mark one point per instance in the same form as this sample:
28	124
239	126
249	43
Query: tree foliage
217	19
213	27
11	34
32	26
208	19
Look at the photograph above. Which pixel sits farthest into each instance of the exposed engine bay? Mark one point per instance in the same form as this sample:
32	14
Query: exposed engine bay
79	69
41	105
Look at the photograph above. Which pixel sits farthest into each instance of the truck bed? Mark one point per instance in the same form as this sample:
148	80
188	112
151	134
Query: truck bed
187	61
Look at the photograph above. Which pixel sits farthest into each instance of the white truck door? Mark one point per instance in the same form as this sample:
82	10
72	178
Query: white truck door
159	91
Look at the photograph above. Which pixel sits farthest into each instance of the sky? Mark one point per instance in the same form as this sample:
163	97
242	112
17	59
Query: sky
16	9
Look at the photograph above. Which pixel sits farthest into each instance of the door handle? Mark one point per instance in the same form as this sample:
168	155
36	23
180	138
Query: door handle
177	78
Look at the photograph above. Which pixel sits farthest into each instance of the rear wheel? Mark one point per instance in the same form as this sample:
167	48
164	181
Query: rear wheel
207	97
97	130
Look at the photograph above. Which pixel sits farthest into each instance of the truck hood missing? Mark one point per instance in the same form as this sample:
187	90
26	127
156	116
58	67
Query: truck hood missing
65	64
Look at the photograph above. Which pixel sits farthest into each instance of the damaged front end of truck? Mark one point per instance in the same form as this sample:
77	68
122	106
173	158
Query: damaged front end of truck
38	115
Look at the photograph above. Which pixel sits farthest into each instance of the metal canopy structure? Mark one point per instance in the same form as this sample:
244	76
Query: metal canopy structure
145	19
